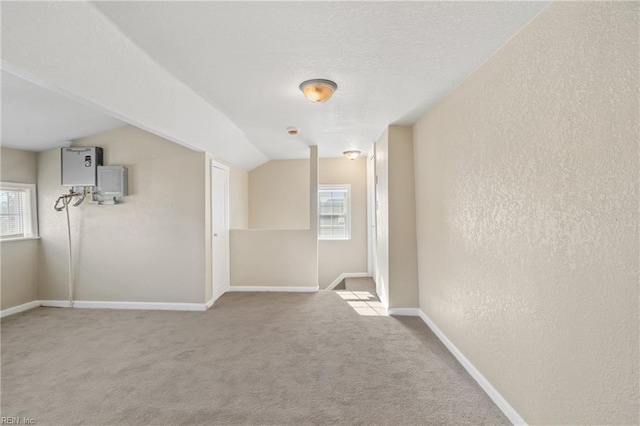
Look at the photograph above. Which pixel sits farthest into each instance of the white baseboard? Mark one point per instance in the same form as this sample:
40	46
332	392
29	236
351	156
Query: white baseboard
19	308
498	399
347	275
149	306
54	303
404	312
271	288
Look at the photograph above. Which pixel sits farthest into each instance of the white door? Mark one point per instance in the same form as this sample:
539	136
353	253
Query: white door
220	221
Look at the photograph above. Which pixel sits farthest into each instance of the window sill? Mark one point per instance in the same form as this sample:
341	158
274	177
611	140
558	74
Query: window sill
334	239
9	240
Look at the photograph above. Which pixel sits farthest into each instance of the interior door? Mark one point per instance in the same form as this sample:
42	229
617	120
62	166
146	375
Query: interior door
220	221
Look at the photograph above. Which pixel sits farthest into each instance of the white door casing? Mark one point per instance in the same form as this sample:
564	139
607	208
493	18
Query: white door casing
372	217
220	227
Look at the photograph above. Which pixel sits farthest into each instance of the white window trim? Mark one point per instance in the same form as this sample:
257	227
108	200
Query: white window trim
346	186
30	211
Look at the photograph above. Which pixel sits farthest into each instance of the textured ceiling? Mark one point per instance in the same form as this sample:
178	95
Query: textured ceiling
35	118
391	60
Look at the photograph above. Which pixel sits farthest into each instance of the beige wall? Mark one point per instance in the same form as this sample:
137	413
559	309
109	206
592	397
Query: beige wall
18	259
273	258
527	203
283	210
403	267
279	258
279	195
396	275
337	257
18	166
151	248
238	197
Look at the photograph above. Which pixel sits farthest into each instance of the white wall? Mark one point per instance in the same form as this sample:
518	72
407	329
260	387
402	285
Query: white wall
151	248
382	217
18	259
527	192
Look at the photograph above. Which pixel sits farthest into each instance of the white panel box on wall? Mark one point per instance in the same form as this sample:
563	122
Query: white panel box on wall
112	184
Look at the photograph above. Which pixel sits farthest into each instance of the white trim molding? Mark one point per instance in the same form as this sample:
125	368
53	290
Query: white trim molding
284	289
19	308
210	303
493	393
404	312
147	306
347	275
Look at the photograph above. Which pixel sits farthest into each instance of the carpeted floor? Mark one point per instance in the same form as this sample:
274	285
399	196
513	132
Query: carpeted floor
254	358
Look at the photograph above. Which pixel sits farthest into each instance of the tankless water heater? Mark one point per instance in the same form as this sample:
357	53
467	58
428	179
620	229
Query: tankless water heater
80	165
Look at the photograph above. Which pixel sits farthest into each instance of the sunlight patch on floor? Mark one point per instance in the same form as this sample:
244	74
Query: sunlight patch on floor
363	302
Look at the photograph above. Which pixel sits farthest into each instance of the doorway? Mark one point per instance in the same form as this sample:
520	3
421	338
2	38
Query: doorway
220	229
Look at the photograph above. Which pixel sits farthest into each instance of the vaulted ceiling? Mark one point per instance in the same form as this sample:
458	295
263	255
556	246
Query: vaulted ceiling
391	61
35	118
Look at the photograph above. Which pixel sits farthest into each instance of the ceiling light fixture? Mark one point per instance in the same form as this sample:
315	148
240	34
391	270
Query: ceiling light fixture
318	90
292	130
352	155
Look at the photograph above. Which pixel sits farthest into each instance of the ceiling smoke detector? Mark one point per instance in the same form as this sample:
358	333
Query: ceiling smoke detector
318	90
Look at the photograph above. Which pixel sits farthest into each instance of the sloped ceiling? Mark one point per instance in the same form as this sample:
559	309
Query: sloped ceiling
391	60
223	76
35	118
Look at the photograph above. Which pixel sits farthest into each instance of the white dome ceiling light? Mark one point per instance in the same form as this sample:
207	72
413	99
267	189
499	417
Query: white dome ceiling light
318	90
352	154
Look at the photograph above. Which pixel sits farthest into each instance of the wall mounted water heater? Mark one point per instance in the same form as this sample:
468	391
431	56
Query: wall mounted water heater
80	165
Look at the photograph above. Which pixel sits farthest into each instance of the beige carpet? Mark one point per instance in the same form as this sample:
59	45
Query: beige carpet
360	284
255	358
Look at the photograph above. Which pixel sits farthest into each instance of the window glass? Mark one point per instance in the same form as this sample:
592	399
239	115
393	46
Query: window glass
17	211
333	211
12	213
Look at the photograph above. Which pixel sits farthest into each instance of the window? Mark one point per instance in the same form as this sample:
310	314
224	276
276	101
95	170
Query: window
334	212
18	215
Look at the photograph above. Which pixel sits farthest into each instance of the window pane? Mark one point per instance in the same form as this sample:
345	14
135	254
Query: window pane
333	213
325	231
12	208
337	202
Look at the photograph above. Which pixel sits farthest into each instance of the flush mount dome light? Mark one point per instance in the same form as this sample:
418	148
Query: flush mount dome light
318	90
352	155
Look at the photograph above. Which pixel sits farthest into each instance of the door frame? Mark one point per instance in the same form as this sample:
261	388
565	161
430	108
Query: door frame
371	214
227	278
